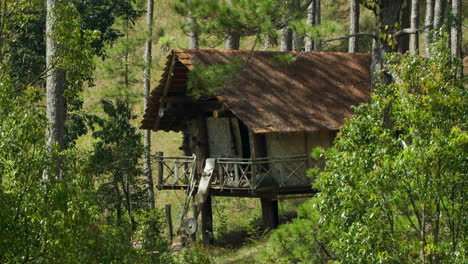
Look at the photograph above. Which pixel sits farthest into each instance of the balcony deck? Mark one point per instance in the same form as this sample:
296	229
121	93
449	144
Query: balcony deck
255	177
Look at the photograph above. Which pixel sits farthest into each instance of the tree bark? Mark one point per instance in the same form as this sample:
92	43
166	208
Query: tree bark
403	39
55	81
439	10
428	21
296	38
309	43
353	25
232	40
286	40
456	30
146	90
318	21
192	23
414	24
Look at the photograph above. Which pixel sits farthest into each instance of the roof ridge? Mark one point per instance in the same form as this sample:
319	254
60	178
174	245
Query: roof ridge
260	51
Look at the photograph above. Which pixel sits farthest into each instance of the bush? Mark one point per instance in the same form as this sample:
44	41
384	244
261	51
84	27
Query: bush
394	186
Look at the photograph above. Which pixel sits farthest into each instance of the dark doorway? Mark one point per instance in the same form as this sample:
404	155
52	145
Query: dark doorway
245	140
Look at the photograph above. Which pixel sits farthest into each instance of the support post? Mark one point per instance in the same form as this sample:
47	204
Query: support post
207	222
169	223
195	215
160	170
269	213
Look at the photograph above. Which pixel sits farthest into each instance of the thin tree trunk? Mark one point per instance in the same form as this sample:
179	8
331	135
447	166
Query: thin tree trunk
309	44
353	25
3	8
128	200
318	21
118	203
55	108
429	19
286	40
439	10
296	38
414	24
455	30
232	40
403	40
146	90
192	23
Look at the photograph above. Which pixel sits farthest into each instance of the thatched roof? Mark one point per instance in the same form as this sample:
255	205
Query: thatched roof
314	92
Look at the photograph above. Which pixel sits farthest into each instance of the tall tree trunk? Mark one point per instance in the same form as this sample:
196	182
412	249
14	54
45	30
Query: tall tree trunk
232	40
146	90
403	40
296	38
439	10
353	25
428	21
286	39
128	200
456	30
414	24
3	13
118	199
318	21
309	44
389	14
55	82
192	23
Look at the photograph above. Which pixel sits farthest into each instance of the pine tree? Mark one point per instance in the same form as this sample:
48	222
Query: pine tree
55	82
146	90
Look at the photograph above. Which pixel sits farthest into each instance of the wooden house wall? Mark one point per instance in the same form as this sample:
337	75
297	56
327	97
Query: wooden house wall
289	144
221	139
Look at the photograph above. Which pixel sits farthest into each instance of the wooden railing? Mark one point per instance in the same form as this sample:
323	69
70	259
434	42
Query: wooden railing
175	171
261	172
236	172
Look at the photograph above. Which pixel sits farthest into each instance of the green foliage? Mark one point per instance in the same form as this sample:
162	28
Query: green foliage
115	161
195	255
55	221
243	17
207	81
283	59
393	189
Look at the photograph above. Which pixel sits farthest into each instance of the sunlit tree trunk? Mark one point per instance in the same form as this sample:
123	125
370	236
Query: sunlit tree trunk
353	25
439	10
309	43
192	23
455	30
318	21
146	90
232	40
55	81
428	21
414	24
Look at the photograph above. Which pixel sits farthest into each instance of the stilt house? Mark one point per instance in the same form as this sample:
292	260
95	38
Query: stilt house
259	129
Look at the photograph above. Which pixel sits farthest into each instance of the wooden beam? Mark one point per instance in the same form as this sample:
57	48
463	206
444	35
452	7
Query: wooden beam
177	99
223	114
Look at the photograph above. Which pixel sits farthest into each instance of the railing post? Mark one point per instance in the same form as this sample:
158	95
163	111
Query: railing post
169	223
160	170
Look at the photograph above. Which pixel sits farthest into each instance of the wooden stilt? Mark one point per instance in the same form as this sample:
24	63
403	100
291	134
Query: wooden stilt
207	223
269	213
